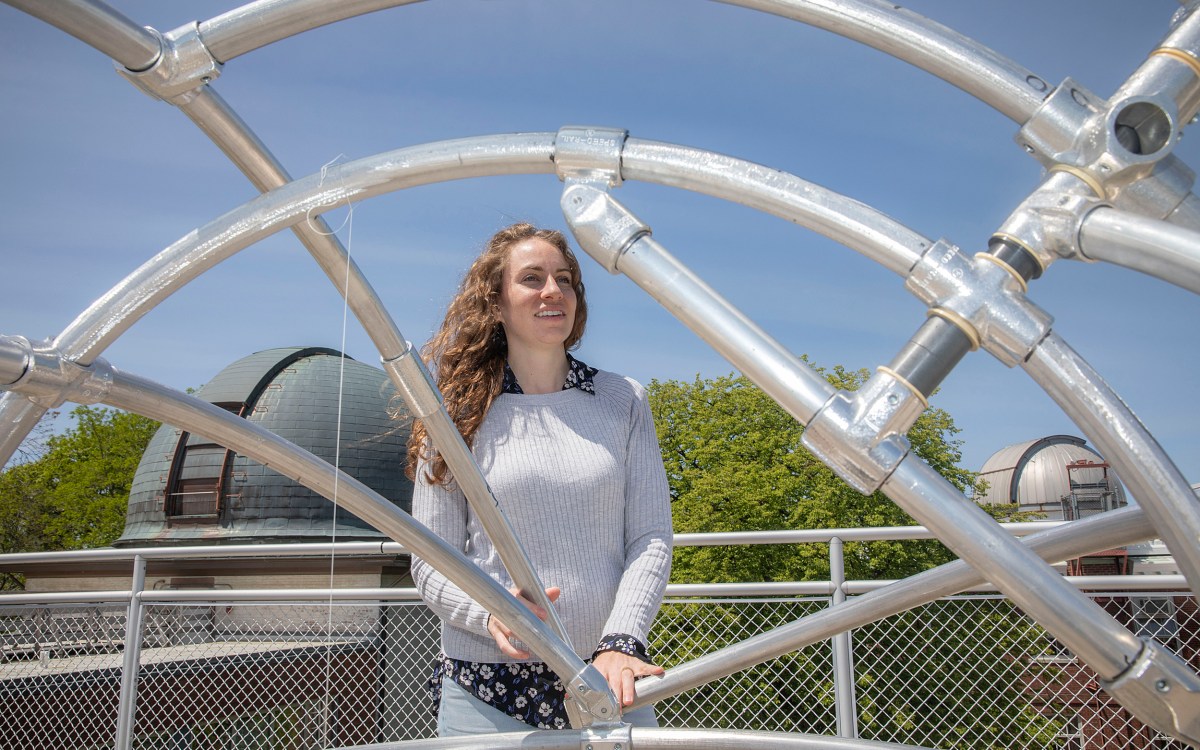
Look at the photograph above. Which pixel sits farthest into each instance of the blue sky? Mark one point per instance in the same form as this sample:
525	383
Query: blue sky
98	178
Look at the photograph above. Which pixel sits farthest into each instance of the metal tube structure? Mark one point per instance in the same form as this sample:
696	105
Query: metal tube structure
1150	106
164	274
127	704
1104	531
234	137
110	316
1001	83
1111	425
222	125
641	738
100	26
845	706
1155	684
1156	248
14	561
970	533
258	24
997	81
841	219
1117	583
150	399
620	242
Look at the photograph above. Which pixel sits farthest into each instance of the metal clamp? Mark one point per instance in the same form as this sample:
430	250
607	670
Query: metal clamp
1047	223
589	154
601	225
860	435
984	299
1161	690
1052	134
1115	143
41	373
609	737
407	372
1121	149
184	65
592	694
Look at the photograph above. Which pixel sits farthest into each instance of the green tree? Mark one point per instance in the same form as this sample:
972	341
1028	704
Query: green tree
735	461
73	495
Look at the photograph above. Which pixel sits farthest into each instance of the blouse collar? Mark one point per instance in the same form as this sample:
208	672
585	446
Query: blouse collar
579	375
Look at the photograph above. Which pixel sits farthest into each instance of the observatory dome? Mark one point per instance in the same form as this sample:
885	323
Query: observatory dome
187	489
1058	475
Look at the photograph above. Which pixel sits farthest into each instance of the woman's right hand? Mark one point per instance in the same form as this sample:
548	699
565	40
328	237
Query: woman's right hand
503	635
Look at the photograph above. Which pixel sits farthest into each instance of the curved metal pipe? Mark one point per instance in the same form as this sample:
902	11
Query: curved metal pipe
641	738
1078	622
1156	248
959	60
1104	531
150	399
101	26
108	317
841	219
976	69
235	138
258	24
1124	441
164	274
230	133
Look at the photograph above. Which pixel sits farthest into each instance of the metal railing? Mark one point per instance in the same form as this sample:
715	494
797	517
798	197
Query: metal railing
333	668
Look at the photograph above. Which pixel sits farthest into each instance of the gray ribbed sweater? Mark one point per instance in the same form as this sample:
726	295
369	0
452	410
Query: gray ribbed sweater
581	480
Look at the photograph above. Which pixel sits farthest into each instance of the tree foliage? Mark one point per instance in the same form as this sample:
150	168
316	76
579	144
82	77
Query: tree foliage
735	462
73	495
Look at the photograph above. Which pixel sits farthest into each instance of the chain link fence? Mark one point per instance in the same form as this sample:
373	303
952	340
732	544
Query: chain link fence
966	672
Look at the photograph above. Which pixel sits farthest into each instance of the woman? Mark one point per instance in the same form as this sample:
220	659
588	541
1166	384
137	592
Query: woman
571	456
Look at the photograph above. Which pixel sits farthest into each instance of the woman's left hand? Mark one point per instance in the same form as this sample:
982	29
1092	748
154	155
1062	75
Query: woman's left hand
621	670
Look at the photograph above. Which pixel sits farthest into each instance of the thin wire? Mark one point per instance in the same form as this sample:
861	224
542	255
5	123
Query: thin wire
348	224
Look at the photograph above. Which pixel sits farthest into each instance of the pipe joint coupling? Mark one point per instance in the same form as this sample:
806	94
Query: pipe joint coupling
860	435
1161	690
613	737
1052	133
983	298
414	383
590	690
591	155
603	227
1112	147
15	353
184	65
1048	222
41	373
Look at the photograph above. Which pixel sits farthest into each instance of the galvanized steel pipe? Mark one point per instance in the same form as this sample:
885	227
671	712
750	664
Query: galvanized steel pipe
1099	532
1148	472
99	25
1156	248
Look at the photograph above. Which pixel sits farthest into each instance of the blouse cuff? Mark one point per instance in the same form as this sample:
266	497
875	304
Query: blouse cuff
624	643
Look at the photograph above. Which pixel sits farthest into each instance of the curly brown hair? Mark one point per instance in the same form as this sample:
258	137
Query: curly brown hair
468	352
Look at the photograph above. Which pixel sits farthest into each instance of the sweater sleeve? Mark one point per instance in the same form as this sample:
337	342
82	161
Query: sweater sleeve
444	512
648	535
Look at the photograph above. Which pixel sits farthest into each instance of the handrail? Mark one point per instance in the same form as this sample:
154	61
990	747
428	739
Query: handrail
13	560
769	589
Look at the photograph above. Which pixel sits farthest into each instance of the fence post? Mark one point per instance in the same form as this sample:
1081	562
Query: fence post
845	707
127	706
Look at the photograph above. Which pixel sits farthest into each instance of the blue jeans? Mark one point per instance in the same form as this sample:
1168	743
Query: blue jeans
461	713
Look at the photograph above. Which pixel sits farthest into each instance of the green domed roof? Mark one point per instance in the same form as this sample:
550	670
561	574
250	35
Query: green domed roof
189	490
